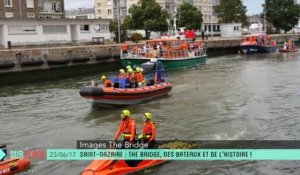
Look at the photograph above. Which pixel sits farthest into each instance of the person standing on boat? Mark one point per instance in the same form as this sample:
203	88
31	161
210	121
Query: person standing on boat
148	131
106	82
131	77
124	48
126	127
122	73
139	78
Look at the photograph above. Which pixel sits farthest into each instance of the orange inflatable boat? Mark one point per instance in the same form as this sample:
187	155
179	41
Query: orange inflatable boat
124	96
120	167
12	166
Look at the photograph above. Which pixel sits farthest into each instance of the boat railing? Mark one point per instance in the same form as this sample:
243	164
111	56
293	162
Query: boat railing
168	53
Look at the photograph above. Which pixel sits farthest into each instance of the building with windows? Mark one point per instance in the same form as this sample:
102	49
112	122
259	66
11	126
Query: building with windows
36	22
80	13
32	9
51	31
107	9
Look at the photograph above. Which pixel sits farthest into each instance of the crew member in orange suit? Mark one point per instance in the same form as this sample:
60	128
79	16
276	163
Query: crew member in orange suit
139	78
122	74
126	127
124	48
106	82
149	131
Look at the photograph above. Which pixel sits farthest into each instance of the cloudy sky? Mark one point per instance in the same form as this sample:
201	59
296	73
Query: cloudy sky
253	6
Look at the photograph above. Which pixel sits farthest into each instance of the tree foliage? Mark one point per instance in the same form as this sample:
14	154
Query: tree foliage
147	15
283	14
232	11
189	16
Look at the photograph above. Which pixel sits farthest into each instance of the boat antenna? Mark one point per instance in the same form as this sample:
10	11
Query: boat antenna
174	12
265	17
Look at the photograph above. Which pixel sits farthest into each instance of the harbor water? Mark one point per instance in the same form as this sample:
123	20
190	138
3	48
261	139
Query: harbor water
232	97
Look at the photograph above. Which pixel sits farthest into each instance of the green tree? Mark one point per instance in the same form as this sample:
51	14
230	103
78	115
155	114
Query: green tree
147	15
283	14
232	11
113	28
189	16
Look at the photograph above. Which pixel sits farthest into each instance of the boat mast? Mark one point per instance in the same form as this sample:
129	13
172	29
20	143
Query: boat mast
265	18
174	17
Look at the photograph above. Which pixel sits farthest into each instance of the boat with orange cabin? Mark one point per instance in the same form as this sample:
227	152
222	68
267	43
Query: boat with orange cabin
173	53
258	43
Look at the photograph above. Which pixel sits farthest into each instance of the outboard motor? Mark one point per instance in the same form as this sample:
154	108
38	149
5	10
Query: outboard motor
4	149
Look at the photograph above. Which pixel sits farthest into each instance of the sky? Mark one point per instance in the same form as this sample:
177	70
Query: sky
253	6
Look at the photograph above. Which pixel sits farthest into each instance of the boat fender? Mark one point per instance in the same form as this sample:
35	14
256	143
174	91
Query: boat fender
91	91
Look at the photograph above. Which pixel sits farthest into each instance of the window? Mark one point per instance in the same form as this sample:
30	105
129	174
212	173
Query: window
8	3
109	2
99	11
54	29
12	30
236	28
99	4
9	15
29	3
109	11
30	15
84	28
102	28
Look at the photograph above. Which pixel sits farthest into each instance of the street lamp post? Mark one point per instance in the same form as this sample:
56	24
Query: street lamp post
118	18
211	17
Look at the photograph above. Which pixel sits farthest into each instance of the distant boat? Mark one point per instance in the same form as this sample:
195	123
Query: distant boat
288	50
257	43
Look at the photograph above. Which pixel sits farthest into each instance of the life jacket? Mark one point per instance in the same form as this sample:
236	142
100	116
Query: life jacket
107	83
124	47
185	46
127	128
139	77
122	75
135	50
131	77
149	130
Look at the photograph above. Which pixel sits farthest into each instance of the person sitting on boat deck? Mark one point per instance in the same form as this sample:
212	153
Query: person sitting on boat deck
139	78
106	82
126	127
148	131
124	48
131	78
122	73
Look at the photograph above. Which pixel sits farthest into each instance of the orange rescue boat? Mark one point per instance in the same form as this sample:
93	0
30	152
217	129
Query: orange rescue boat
124	96
12	166
120	167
